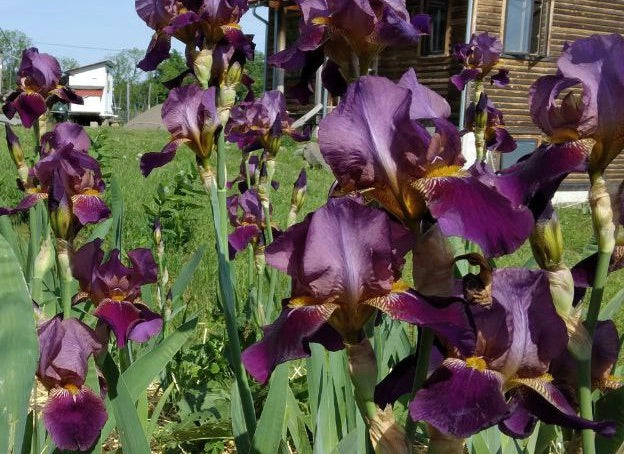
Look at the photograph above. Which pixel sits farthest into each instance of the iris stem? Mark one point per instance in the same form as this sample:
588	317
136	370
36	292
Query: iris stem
602	218
65	276
226	286
422	366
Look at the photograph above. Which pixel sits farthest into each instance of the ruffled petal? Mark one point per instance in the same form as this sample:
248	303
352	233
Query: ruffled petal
460	400
74	419
89	209
288	338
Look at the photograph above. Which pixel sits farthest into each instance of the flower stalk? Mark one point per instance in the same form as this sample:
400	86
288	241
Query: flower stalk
63	249
602	217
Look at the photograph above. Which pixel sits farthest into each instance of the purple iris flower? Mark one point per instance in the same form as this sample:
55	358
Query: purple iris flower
496	136
190	115
345	262
73	415
247	217
349	33
38	79
376	143
262	123
195	23
594	63
479	57
67	177
115	289
505	378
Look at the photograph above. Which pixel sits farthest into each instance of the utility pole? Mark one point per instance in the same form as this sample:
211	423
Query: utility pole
127	101
149	96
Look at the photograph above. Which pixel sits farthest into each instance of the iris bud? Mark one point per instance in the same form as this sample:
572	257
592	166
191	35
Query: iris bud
234	74
547	243
602	215
61	220
202	67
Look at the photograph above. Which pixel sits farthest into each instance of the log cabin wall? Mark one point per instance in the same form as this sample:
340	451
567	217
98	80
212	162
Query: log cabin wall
563	20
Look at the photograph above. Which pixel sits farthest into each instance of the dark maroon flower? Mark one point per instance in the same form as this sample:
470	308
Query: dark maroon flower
373	144
38	79
73	415
190	115
247	217
594	63
262	123
350	34
66	173
519	334
479	56
496	136
195	23
116	290
345	261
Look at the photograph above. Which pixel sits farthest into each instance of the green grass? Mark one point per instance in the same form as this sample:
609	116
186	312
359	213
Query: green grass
128	145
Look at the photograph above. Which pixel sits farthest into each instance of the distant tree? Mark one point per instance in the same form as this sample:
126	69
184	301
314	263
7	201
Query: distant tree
125	71
255	70
12	43
167	70
68	63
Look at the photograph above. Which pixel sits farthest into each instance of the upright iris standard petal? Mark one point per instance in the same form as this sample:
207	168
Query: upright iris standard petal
190	116
594	63
64	134
375	144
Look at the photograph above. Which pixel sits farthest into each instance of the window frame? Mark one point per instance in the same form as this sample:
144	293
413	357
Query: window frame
540	41
447	44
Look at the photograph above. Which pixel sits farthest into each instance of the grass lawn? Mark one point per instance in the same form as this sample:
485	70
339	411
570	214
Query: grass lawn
126	146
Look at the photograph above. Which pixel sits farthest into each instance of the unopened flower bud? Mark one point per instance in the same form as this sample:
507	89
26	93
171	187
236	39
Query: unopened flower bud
602	215
579	344
298	197
547	243
157	231
45	259
17	154
561	285
363	371
202	67
61	219
481	112
234	74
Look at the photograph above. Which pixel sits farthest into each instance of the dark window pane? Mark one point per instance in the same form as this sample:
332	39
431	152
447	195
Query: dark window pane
519	26
525	146
435	43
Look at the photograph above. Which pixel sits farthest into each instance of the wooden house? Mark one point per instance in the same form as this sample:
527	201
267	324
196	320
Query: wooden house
94	83
532	31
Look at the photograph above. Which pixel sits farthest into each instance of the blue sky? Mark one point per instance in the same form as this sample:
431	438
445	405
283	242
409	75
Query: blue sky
104	26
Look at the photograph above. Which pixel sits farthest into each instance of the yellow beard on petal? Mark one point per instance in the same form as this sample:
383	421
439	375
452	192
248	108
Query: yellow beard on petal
73	389
476	362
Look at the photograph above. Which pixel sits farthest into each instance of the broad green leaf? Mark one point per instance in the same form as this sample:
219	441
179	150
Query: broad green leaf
239	427
144	370
187	272
117	209
547	434
348	445
611	407
269	429
101	230
19	350
128	424
295	420
612	308
326	436
9	234
157	411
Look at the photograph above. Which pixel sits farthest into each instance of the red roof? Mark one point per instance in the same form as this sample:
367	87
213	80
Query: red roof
89	92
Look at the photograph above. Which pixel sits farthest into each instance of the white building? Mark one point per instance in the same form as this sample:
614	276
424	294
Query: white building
95	84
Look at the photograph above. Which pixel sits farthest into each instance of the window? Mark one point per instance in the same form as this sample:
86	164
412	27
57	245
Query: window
435	43
526	26
525	146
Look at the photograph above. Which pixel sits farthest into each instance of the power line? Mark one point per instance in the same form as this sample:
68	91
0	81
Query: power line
78	47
